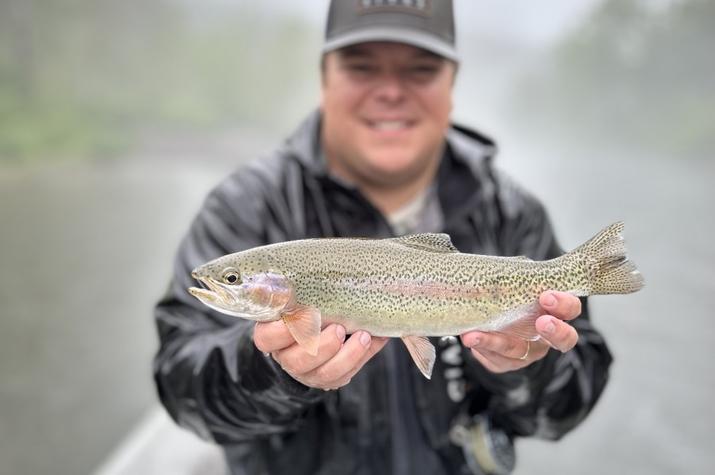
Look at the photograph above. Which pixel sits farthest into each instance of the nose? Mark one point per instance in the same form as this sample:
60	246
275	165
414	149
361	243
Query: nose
390	88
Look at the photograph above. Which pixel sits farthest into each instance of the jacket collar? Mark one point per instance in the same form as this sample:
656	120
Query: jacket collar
305	145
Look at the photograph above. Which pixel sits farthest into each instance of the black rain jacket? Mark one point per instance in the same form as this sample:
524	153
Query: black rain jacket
213	380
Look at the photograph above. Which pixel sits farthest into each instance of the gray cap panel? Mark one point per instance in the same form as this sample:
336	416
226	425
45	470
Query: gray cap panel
427	24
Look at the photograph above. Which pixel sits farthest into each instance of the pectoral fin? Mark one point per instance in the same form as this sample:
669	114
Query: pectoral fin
522	321
422	352
303	323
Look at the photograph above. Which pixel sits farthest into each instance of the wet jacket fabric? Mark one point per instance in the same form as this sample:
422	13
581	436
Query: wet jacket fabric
213	381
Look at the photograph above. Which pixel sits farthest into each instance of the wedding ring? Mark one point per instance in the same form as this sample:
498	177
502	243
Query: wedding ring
526	353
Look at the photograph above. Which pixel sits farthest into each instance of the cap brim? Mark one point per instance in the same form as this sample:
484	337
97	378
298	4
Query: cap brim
393	34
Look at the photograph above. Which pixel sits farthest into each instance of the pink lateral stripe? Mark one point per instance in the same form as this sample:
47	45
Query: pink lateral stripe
412	288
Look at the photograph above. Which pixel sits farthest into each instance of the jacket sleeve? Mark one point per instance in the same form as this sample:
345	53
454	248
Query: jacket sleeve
209	374
551	396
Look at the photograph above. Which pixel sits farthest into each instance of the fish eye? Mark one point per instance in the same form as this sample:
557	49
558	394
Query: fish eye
230	276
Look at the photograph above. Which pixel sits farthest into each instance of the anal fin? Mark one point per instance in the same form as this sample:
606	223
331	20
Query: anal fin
422	352
303	323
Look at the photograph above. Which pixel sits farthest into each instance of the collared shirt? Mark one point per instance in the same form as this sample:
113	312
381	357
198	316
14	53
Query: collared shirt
421	215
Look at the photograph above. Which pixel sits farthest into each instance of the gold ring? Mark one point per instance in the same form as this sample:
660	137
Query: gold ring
526	353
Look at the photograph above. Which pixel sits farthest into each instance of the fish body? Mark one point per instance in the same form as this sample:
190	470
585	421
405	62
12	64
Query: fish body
409	287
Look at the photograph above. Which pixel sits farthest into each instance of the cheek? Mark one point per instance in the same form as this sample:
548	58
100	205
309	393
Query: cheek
338	97
436	98
439	104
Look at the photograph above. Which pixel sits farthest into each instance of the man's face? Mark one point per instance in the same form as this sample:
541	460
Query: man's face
386	107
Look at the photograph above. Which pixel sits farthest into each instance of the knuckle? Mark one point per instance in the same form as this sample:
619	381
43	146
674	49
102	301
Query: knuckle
468	339
289	365
325	353
507	347
327	373
260	343
262	337
299	363
333	344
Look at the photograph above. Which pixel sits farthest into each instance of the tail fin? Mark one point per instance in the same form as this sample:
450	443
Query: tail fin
615	274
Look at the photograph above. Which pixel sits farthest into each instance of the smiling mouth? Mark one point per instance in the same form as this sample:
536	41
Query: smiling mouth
390	125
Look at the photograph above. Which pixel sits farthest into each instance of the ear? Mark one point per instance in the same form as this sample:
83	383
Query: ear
323	80
324	60
455	70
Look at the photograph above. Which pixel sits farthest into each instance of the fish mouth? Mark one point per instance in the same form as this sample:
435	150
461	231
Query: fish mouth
212	292
204	295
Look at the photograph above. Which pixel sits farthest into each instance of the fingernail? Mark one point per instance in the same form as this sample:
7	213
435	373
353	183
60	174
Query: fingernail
550	328
550	300
365	338
340	333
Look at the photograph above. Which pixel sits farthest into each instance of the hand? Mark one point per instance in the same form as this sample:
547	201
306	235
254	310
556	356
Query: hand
335	364
500	353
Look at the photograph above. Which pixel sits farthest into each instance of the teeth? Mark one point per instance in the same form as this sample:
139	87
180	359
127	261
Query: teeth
389	125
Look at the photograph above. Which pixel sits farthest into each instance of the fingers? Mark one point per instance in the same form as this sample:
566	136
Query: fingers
506	346
557	333
500	363
377	344
497	363
296	361
560	304
495	342
500	353
272	336
338	370
335	364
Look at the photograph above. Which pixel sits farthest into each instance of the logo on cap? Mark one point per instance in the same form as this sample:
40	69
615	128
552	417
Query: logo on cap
418	7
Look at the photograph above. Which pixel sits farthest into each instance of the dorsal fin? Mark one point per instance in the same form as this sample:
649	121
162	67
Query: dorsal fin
431	242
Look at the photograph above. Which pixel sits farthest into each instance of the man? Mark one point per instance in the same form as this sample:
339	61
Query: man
380	158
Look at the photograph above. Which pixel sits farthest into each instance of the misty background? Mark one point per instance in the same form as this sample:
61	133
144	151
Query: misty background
116	118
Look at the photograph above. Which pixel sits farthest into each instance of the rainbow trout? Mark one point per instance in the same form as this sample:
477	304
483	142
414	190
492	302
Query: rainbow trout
409	287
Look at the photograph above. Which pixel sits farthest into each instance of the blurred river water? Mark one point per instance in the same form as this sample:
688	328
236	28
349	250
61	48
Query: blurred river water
86	250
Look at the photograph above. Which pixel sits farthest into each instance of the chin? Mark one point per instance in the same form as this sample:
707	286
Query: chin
390	166
394	174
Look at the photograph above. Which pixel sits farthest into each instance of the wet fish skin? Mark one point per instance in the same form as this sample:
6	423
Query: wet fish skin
410	287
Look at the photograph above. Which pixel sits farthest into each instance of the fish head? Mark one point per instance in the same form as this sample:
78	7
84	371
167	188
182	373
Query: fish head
259	296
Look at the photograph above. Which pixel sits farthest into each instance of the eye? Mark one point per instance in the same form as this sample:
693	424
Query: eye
422	72
230	276
360	68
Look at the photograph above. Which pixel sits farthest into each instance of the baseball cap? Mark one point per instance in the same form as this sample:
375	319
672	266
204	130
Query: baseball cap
426	24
